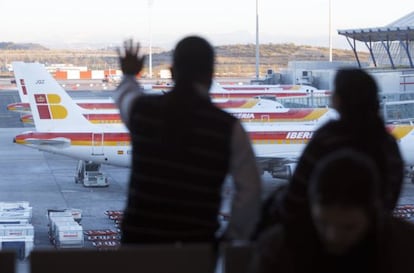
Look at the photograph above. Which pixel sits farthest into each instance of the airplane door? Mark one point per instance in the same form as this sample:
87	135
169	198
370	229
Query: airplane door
97	144
265	118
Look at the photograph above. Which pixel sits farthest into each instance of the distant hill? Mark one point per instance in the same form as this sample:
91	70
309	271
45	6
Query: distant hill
21	46
240	59
231	60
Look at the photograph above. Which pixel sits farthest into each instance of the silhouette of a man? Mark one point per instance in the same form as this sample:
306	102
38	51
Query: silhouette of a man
183	149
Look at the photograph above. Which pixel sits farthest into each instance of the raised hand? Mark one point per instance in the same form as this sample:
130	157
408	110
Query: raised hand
130	61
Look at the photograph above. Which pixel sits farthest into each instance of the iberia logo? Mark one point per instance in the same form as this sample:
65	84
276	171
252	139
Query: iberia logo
23	85
49	106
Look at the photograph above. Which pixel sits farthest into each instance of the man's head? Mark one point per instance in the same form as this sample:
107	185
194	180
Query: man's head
355	91
193	61
344	199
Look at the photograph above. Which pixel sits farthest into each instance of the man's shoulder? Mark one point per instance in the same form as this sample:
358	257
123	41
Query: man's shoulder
225	114
148	101
216	112
151	98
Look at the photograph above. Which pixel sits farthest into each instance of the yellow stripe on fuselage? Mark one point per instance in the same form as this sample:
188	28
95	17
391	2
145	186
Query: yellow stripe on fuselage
96	144
316	114
250	103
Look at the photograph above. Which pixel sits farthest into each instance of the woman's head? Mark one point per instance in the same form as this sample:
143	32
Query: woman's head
344	198
355	91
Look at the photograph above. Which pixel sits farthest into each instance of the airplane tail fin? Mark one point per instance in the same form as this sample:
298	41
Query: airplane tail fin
52	108
20	83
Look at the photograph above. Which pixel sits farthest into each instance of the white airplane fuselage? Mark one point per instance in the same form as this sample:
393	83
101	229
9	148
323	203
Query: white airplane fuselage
114	147
62	129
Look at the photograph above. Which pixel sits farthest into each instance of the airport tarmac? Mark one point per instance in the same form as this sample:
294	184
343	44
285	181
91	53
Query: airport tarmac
46	181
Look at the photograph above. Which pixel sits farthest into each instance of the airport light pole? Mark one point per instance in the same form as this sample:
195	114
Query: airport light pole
150	2
330	30
257	40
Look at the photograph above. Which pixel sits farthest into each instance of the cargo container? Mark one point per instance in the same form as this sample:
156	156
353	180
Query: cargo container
17	211
68	235
16	230
76	213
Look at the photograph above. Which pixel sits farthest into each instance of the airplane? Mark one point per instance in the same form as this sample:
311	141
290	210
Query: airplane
24	107
251	91
217	91
253	111
88	104
250	110
62	129
97	110
91	117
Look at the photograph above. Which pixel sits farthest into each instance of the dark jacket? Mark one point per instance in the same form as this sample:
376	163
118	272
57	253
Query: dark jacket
389	250
181	155
378	144
288	204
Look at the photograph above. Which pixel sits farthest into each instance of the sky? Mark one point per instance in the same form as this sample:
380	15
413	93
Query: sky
163	22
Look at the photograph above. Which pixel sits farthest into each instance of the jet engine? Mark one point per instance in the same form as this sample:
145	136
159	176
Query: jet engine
283	171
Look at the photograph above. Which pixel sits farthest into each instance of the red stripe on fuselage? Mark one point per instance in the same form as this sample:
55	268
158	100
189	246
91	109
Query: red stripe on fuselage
96	105
87	136
282	135
103	117
257	94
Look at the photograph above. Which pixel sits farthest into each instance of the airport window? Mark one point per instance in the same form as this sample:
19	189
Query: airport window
60	182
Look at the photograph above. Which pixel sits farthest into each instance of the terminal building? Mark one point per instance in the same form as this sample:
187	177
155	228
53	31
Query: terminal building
390	46
391	51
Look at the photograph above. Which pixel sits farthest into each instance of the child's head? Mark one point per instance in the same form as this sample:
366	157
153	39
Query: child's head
344	198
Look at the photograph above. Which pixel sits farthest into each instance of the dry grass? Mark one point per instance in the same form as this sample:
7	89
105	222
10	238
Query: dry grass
232	60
